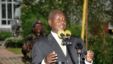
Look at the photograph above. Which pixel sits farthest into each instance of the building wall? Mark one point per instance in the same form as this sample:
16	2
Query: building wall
9	11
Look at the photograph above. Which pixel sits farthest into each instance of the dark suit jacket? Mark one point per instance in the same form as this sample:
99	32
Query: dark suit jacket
48	44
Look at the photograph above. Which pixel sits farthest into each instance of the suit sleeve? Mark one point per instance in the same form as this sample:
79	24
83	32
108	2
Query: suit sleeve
37	55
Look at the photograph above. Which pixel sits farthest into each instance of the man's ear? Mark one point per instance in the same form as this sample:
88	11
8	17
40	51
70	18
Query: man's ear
49	22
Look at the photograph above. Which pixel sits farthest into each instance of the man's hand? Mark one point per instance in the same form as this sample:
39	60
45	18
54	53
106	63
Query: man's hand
51	58
89	56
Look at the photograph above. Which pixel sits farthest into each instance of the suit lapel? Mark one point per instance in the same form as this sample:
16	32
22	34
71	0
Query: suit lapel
55	46
74	53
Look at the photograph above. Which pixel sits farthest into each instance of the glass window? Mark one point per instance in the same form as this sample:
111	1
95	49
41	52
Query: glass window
9	22
3	22
3	11
3	0
9	0
9	11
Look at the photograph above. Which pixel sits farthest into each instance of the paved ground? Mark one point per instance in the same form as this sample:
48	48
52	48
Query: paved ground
7	57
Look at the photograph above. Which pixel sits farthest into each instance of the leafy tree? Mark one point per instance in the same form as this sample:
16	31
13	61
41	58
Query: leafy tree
100	13
40	9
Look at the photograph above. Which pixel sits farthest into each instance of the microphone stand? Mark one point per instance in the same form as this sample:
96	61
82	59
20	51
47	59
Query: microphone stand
79	47
79	56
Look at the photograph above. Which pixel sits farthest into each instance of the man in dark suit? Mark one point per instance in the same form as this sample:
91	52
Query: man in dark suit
50	50
37	32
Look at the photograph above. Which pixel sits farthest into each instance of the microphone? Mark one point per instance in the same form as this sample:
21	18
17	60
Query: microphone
67	33
79	47
65	36
66	40
61	34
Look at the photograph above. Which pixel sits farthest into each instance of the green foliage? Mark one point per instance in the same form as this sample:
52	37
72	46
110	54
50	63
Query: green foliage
15	50
39	9
75	29
28	20
100	12
102	48
4	35
99	41
27	24
14	42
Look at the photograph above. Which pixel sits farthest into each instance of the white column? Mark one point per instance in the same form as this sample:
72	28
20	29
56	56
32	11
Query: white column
0	13
13	9
6	12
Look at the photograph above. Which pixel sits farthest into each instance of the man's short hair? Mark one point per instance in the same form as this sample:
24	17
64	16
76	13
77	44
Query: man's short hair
53	13
36	22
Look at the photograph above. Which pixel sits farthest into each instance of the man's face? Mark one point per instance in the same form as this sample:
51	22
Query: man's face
38	28
58	22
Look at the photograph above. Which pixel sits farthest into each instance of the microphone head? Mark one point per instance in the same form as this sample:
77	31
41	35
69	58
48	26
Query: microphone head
67	33
64	34
79	46
61	34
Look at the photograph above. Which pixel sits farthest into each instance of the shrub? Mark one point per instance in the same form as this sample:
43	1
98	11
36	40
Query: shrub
14	42
4	35
102	48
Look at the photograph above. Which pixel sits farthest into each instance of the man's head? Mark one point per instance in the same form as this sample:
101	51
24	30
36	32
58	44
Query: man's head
37	27
89	55
57	20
